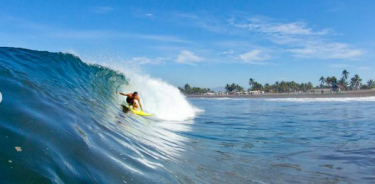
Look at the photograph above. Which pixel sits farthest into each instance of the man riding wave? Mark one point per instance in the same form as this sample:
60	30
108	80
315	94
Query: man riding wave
131	98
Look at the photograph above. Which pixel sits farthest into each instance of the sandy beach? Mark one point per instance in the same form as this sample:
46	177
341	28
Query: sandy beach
344	94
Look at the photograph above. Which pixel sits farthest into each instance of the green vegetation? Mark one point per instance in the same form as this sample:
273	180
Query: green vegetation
355	83
280	87
255	85
329	82
370	84
194	90
233	88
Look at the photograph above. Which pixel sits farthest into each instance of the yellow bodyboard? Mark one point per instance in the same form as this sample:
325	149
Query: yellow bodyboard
140	112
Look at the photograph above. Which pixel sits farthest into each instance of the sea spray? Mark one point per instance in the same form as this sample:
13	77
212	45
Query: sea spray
157	96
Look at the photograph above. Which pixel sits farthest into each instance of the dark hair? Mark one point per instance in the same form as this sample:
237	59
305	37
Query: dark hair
135	93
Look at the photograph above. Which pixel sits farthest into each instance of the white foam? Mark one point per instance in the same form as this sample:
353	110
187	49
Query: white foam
160	98
1	97
302	100
225	98
163	100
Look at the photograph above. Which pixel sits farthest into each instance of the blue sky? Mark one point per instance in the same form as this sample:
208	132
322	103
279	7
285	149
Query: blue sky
204	43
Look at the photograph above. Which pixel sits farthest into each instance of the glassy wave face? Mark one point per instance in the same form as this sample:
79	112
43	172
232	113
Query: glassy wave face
62	122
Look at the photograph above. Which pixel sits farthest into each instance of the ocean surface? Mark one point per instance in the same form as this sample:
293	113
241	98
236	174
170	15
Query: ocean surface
62	122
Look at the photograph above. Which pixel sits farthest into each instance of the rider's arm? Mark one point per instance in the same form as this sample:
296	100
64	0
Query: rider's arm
124	94
139	102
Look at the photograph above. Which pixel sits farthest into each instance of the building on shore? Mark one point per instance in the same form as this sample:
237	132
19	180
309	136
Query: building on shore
338	88
221	93
209	93
242	93
255	92
323	91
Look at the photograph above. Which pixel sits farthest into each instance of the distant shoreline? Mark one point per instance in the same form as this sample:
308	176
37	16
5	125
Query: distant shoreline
344	94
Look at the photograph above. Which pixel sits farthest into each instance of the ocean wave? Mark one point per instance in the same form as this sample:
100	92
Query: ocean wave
68	120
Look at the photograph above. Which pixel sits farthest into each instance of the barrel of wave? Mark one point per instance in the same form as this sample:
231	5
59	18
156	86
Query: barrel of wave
163	100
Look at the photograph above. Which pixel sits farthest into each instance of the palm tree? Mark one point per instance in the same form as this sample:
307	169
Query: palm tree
309	86
233	87
239	88
251	82
343	82
355	82
345	74
267	87
352	83
276	86
187	88
258	86
283	86
292	85
358	81
328	81
333	80
370	83
227	88
322	81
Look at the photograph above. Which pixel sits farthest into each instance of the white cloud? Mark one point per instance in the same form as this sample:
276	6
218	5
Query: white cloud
146	60
254	57
300	40
292	28
102	9
188	57
322	50
227	52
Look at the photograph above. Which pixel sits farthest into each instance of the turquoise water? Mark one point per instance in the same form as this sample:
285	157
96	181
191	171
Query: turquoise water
66	117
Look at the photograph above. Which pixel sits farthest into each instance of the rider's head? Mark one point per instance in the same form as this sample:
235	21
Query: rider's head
135	93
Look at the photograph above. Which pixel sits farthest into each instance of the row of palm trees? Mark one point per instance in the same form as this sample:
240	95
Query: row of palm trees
187	89
355	83
280	87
